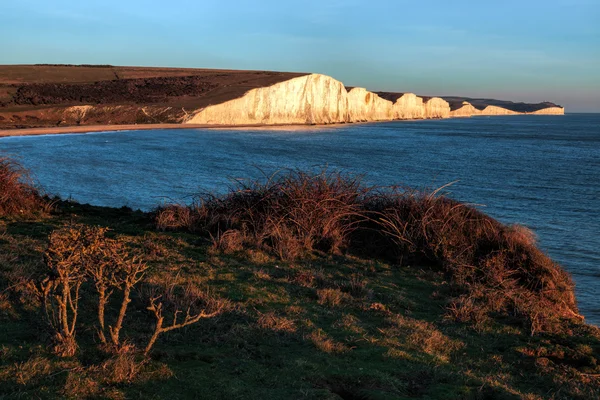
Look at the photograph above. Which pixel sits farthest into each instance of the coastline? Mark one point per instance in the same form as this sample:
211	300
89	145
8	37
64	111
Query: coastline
99	128
140	127
81	129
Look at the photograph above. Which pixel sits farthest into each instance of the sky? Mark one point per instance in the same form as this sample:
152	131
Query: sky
526	50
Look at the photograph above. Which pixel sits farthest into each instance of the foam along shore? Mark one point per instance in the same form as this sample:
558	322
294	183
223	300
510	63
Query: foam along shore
320	99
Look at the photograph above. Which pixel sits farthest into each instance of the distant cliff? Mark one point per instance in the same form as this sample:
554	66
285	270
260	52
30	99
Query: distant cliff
43	96
320	99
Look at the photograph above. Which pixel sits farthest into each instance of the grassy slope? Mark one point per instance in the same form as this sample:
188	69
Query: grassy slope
324	327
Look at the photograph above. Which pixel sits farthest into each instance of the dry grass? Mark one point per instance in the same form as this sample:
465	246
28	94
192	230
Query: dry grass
18	196
332	297
421	336
273	322
325	343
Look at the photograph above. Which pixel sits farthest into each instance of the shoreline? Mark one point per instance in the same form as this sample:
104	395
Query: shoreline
82	129
142	127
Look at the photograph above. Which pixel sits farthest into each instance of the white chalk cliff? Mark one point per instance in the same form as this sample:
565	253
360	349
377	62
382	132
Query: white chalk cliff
466	110
320	99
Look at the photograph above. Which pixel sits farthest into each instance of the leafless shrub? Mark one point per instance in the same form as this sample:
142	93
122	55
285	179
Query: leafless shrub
297	213
197	306
229	241
287	215
129	274
76	254
477	252
60	289
18	195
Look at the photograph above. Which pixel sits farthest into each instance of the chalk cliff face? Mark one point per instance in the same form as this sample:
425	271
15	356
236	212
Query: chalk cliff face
436	107
549	111
215	97
495	110
466	110
365	106
310	99
408	106
320	99
316	99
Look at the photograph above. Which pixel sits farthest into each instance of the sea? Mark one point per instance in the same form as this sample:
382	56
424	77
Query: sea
539	171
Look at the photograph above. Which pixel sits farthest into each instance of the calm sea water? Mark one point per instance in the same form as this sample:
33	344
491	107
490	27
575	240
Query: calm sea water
540	171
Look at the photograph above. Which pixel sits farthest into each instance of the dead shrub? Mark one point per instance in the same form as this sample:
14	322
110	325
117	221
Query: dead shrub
288	215
297	213
229	241
60	289
18	196
77	254
197	305
32	369
175	216
477	252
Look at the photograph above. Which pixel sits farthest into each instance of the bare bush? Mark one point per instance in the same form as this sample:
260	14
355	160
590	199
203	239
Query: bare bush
301	212
185	306
129	274
77	254
287	215
498	267
18	196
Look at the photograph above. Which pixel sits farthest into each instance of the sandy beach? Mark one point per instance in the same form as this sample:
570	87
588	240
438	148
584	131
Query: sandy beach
113	128
101	128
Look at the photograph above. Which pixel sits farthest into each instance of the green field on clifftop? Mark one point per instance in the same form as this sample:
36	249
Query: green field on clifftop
324	326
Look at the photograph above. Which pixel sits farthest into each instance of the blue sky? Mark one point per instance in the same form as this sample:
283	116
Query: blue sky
527	50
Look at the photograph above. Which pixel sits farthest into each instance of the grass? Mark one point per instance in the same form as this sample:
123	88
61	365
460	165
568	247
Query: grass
348	321
324	326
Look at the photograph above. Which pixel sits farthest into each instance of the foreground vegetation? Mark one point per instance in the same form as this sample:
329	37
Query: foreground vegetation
306	286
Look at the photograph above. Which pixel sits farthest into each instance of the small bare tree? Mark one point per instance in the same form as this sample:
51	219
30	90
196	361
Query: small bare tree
129	274
59	291
76	254
102	263
197	306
